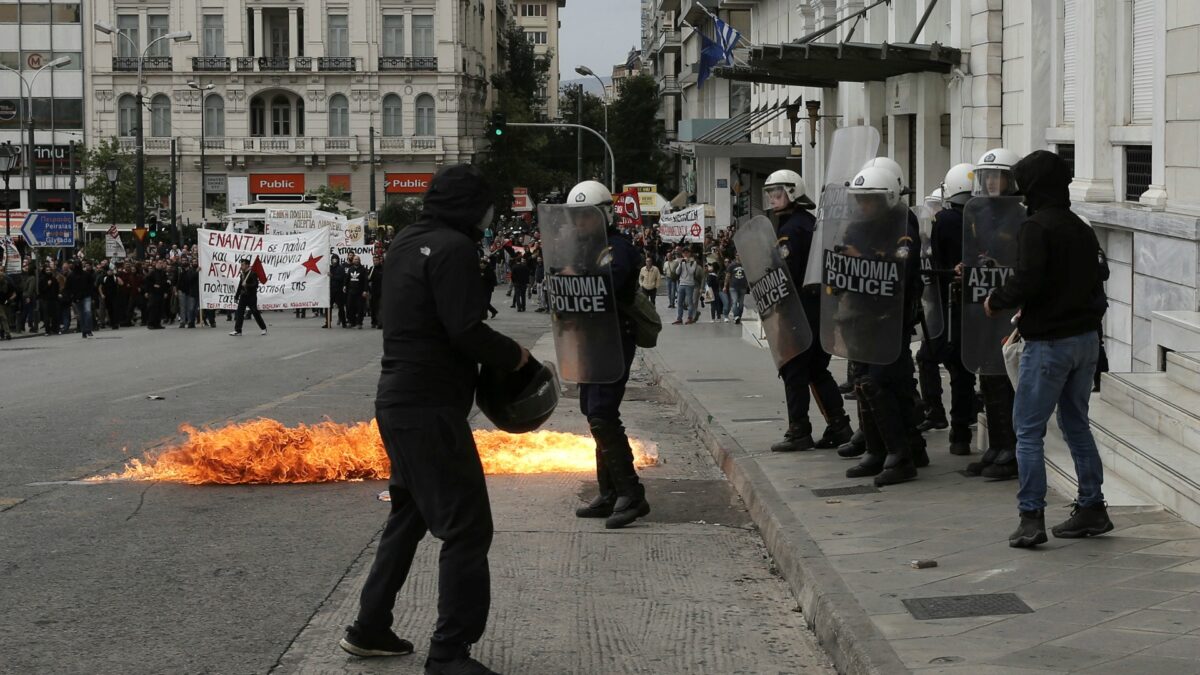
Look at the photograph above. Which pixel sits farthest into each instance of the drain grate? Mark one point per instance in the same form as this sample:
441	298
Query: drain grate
962	606
843	491
715	379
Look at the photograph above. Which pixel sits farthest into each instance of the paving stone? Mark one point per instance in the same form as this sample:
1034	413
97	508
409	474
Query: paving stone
1183	647
1159	620
1111	640
1145	665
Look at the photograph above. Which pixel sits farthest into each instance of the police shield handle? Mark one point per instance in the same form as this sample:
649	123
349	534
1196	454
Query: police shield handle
773	290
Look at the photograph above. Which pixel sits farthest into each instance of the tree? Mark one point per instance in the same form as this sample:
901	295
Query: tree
219	207
328	197
400	213
636	134
100	207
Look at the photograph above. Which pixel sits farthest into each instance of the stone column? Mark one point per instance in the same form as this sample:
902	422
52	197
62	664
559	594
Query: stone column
1156	195
260	33
293	34
1094	94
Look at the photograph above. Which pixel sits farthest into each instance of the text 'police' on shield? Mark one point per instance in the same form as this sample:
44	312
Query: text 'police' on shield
861	275
981	281
770	290
579	294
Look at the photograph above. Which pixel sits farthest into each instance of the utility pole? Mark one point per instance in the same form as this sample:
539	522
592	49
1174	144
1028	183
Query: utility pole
71	168
579	136
174	167
371	140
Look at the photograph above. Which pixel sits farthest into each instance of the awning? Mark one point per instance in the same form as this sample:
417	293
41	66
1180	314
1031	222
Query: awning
825	65
738	128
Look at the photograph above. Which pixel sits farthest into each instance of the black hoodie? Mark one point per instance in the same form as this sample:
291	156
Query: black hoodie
434	302
1061	270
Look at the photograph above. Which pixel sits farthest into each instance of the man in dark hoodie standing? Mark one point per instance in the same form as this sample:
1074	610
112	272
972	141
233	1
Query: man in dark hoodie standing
1058	285
434	339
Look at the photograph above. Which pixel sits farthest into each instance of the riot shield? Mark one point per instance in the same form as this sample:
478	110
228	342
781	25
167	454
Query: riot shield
773	289
932	323
850	149
583	307
865	264
990	229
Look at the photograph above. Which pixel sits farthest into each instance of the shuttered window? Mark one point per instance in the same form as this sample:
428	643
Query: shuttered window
1142	68
1070	48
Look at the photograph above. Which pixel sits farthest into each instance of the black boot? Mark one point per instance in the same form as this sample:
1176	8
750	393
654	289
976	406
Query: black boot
1003	467
976	468
934	419
870	465
630	506
631	502
838	433
1085	521
920	456
602	505
797	438
960	443
1031	531
855	448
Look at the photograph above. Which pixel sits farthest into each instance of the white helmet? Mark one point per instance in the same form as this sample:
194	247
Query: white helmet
790	181
993	162
875	180
934	201
958	184
592	193
889	164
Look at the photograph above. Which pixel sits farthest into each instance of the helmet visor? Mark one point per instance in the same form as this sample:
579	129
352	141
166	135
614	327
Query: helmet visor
994	182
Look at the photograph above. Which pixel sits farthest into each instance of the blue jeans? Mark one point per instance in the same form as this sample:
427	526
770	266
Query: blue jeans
83	314
723	296
739	302
683	300
187	309
672	290
1056	373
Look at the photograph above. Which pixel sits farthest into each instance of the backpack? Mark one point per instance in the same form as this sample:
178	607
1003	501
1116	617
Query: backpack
643	318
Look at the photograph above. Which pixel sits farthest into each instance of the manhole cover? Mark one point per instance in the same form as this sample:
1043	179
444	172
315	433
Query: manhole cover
757	419
847	490
715	379
960	606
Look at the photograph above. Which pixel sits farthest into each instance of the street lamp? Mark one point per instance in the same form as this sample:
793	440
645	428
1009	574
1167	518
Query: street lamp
112	171
56	63
587	72
203	180
140	165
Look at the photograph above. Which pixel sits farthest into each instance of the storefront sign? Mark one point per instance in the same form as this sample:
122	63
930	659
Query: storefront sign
277	184
407	183
215	184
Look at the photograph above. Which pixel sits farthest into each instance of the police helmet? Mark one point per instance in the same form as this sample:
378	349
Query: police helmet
592	193
791	182
879	181
518	401
891	165
959	183
997	162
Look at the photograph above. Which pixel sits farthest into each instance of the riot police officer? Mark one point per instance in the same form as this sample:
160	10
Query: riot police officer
622	497
786	194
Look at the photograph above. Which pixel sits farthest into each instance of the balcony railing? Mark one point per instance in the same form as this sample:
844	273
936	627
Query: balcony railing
152	146
408	63
130	63
274	63
336	63
408	145
245	63
210	63
303	62
668	85
298	145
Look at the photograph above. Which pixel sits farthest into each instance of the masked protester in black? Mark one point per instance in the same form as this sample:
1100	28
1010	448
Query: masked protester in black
356	291
434	340
337	290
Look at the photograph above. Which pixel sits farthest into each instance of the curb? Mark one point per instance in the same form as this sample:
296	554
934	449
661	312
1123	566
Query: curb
842	627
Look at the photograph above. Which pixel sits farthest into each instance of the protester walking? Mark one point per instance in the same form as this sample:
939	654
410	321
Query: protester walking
649	278
247	299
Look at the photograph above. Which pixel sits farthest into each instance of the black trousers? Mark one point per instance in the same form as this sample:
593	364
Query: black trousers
998	398
937	352
650	293
154	309
519	292
437	486
113	305
376	320
810	370
885	401
340	301
354	308
250	304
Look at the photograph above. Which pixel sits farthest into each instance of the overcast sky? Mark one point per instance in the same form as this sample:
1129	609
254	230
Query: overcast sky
597	34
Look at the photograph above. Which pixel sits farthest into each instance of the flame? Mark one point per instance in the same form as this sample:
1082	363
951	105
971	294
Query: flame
266	451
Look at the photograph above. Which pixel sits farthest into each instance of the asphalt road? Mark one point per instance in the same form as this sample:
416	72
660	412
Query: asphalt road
156	577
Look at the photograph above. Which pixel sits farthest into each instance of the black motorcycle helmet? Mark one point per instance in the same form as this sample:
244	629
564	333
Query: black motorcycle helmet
518	401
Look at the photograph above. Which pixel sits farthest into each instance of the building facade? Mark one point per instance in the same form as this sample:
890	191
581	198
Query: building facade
1105	83
278	98
540	22
32	34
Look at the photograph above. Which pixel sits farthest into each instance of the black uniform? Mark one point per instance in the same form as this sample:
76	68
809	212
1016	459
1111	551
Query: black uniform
356	285
337	289
809	370
247	299
375	284
433	342
112	298
153	286
520	280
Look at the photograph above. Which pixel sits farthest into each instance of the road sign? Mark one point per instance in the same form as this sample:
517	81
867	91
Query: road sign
113	248
140	233
49	229
12	257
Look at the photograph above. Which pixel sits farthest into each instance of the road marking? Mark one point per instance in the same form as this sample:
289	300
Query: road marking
160	391
296	356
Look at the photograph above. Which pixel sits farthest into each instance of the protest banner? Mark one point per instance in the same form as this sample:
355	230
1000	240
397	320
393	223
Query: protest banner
683	225
628	209
290	220
296	267
365	253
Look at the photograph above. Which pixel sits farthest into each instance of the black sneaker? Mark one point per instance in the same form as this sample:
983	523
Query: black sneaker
366	643
1031	531
463	665
1085	521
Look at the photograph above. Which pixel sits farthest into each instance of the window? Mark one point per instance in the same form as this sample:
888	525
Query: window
214	35
35	13
63	13
126	115
156	27
393	35
1139	162
214	116
423	35
68	113
160	116
338	43
536	37
1142	66
299	117
339	116
392	111
281	116
257	117
534	9
127	25
426	120
1067	152
1069	48
11	60
10	14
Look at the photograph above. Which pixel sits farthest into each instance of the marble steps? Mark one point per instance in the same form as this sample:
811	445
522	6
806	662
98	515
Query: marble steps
1184	368
1158	401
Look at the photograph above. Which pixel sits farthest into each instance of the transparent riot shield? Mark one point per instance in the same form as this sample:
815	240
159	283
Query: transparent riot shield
990	229
865	260
773	290
583	307
932	323
850	148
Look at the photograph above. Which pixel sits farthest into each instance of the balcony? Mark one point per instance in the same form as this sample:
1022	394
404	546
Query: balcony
128	64
303	63
669	86
423	145
153	146
408	63
274	63
245	63
210	63
668	39
336	63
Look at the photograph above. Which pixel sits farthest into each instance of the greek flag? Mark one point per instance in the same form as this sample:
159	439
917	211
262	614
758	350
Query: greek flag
727	38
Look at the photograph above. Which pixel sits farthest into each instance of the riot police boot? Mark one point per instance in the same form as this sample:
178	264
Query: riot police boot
797	438
630	505
897	468
602	505
870	465
920	456
838	433
976	468
960	442
934	419
855	447
1004	467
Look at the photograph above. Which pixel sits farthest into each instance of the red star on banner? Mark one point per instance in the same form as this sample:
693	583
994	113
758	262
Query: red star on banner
310	265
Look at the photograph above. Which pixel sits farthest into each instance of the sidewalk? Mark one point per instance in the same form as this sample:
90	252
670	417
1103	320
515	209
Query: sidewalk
1127	602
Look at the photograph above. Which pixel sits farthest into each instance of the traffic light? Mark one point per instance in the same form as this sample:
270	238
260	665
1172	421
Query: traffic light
498	126
153	227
